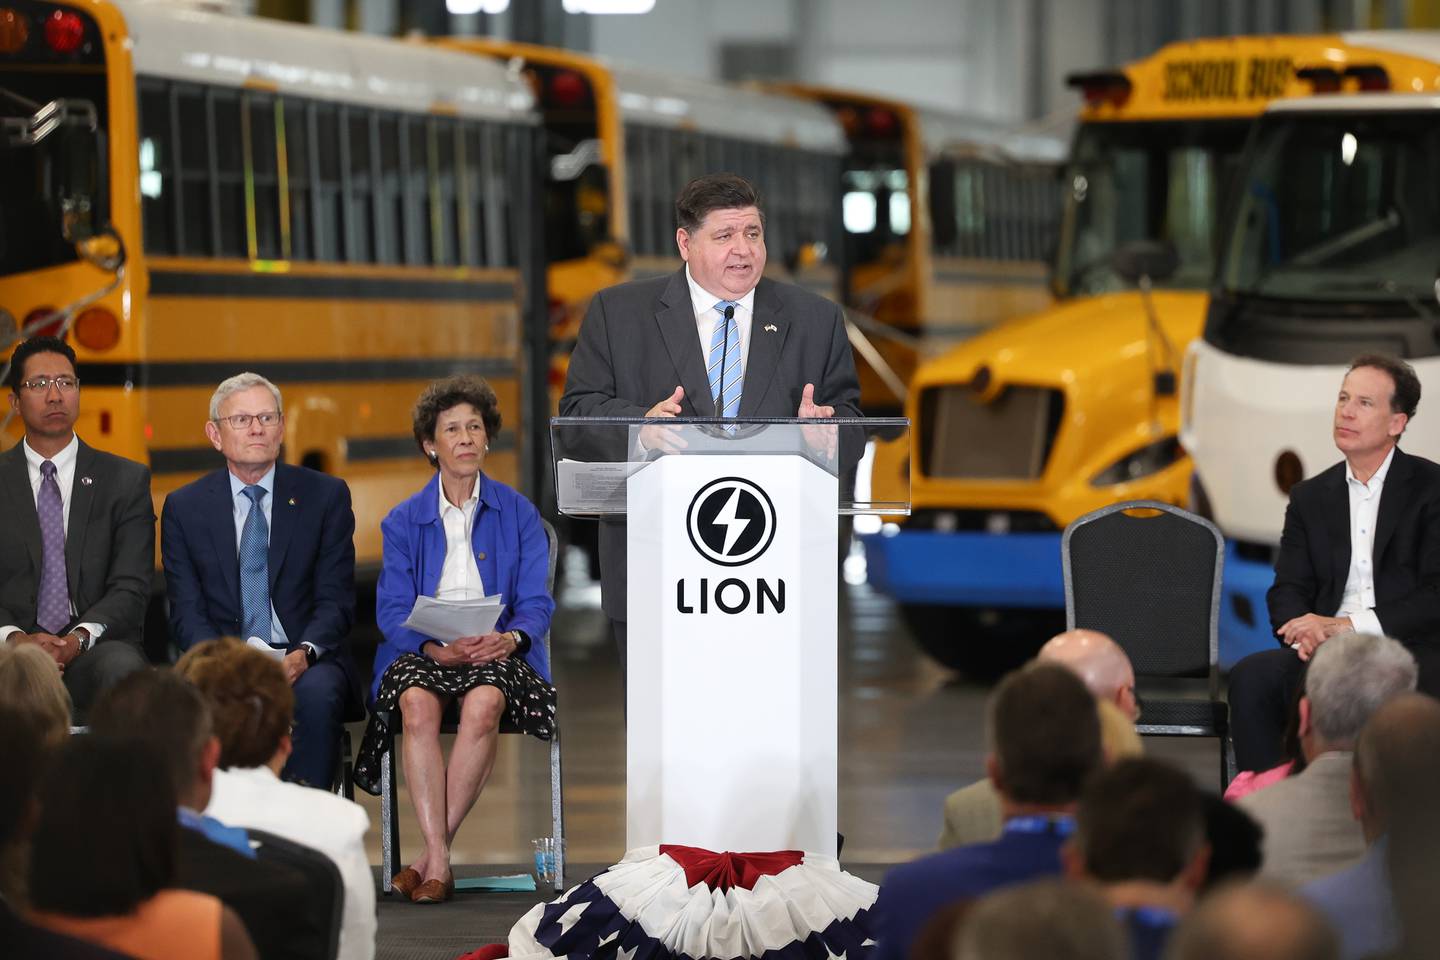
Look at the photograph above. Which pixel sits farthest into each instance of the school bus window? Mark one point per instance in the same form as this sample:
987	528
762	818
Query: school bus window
196	234
157	179
360	187
298	172
328	169
261	111
474	190
416	161
228	162
502	239
389	191
443	201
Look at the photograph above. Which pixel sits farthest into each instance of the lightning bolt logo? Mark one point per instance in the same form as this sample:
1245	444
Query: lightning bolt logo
734	525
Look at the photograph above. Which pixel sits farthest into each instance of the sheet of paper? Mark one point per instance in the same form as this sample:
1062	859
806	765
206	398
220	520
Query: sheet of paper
449	620
593	488
277	652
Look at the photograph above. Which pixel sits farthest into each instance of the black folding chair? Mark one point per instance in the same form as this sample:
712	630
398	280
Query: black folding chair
321	875
1148	575
389	794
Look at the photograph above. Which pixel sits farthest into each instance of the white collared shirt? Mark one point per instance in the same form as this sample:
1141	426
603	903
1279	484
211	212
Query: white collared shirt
64	479
1358	600
706	317
241	505
460	576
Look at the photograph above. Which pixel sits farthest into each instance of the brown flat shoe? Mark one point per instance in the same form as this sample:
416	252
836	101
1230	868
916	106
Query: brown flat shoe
405	882
434	891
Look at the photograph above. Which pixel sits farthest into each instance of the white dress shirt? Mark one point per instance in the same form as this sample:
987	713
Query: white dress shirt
64	479
1358	600
706	318
241	504
460	575
256	799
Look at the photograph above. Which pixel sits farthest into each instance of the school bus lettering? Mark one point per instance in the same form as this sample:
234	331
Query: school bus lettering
1269	76
1202	80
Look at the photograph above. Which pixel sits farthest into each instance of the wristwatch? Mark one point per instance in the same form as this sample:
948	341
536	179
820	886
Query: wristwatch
311	655
83	640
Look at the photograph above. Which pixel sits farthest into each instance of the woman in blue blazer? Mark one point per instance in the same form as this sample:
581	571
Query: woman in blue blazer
462	537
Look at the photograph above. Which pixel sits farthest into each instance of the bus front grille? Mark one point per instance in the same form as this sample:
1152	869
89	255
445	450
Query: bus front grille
964	436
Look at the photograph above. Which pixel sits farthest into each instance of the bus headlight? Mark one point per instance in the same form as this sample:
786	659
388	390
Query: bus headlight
1149	459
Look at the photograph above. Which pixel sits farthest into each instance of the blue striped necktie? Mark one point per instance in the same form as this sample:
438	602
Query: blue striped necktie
255	567
724	366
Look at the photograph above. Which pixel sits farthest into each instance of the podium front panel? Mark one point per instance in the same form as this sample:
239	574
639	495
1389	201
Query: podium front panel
732	722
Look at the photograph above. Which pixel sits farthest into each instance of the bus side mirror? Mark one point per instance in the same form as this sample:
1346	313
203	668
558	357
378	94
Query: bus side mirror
105	251
79	170
1157	260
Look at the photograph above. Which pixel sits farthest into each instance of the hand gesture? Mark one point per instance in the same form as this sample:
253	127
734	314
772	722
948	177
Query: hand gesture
664	439
809	408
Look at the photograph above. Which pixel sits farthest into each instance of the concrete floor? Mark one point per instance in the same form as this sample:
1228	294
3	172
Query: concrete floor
910	732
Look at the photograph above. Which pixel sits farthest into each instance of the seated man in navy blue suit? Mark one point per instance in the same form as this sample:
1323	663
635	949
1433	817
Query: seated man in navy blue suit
1045	741
264	551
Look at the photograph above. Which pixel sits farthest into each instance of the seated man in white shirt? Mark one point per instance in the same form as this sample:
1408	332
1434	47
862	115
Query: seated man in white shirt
253	706
1360	551
1309	827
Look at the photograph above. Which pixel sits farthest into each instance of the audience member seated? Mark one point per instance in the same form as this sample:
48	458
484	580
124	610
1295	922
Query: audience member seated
1140	835
1309	828
1253	921
24	750
1044	741
30	683
1043	920
1397	768
463	536
253	705
972	814
1247	782
1236	843
274	902
103	855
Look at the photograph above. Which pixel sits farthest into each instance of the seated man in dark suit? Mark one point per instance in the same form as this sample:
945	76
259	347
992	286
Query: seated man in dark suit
274	902
77	544
1360	551
264	551
1045	740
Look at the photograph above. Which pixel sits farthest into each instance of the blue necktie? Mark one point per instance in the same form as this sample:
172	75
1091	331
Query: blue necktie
724	366
255	567
53	606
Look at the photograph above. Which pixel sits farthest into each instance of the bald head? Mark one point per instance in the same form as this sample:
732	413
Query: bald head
1256	922
1099	662
1395	760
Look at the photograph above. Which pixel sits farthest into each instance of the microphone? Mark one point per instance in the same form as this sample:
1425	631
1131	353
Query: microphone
724	359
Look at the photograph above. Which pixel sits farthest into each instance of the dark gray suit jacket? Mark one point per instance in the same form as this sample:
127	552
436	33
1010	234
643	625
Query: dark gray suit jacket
109	543
638	342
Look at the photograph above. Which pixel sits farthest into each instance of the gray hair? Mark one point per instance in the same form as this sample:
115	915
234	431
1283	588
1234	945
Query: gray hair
1351	675
241	381
1048	918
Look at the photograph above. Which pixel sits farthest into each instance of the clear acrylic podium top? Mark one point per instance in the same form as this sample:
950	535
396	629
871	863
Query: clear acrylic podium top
594	456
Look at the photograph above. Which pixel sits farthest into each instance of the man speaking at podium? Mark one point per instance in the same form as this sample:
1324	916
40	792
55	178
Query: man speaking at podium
715	339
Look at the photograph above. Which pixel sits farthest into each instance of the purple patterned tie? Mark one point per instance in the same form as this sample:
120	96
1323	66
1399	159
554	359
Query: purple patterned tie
54	602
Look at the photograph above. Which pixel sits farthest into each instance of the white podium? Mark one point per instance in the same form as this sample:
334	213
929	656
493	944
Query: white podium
732	569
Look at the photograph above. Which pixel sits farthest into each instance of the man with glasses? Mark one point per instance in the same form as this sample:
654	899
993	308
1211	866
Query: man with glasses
77	540
264	551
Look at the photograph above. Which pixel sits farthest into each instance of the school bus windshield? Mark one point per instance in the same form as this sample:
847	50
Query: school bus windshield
1158	181
30	207
1339	207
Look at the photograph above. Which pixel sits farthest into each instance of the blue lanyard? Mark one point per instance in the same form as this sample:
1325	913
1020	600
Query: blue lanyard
1062	825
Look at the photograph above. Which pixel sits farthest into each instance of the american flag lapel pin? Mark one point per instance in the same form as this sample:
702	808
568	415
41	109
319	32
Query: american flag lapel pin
86	481
771	328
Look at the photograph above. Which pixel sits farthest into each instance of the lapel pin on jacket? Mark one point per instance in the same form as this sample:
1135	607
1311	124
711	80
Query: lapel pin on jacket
291	501
86	481
771	328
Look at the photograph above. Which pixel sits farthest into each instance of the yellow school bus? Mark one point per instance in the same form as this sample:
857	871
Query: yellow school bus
621	141
343	214
948	225
1022	429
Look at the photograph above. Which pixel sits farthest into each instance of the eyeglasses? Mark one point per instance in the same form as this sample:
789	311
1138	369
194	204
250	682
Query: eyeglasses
43	384
241	421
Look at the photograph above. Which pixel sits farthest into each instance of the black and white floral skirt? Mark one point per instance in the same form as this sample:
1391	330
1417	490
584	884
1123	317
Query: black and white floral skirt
529	702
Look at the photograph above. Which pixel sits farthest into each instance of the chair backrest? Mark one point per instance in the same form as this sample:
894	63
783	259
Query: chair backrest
1152	582
553	539
320	872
